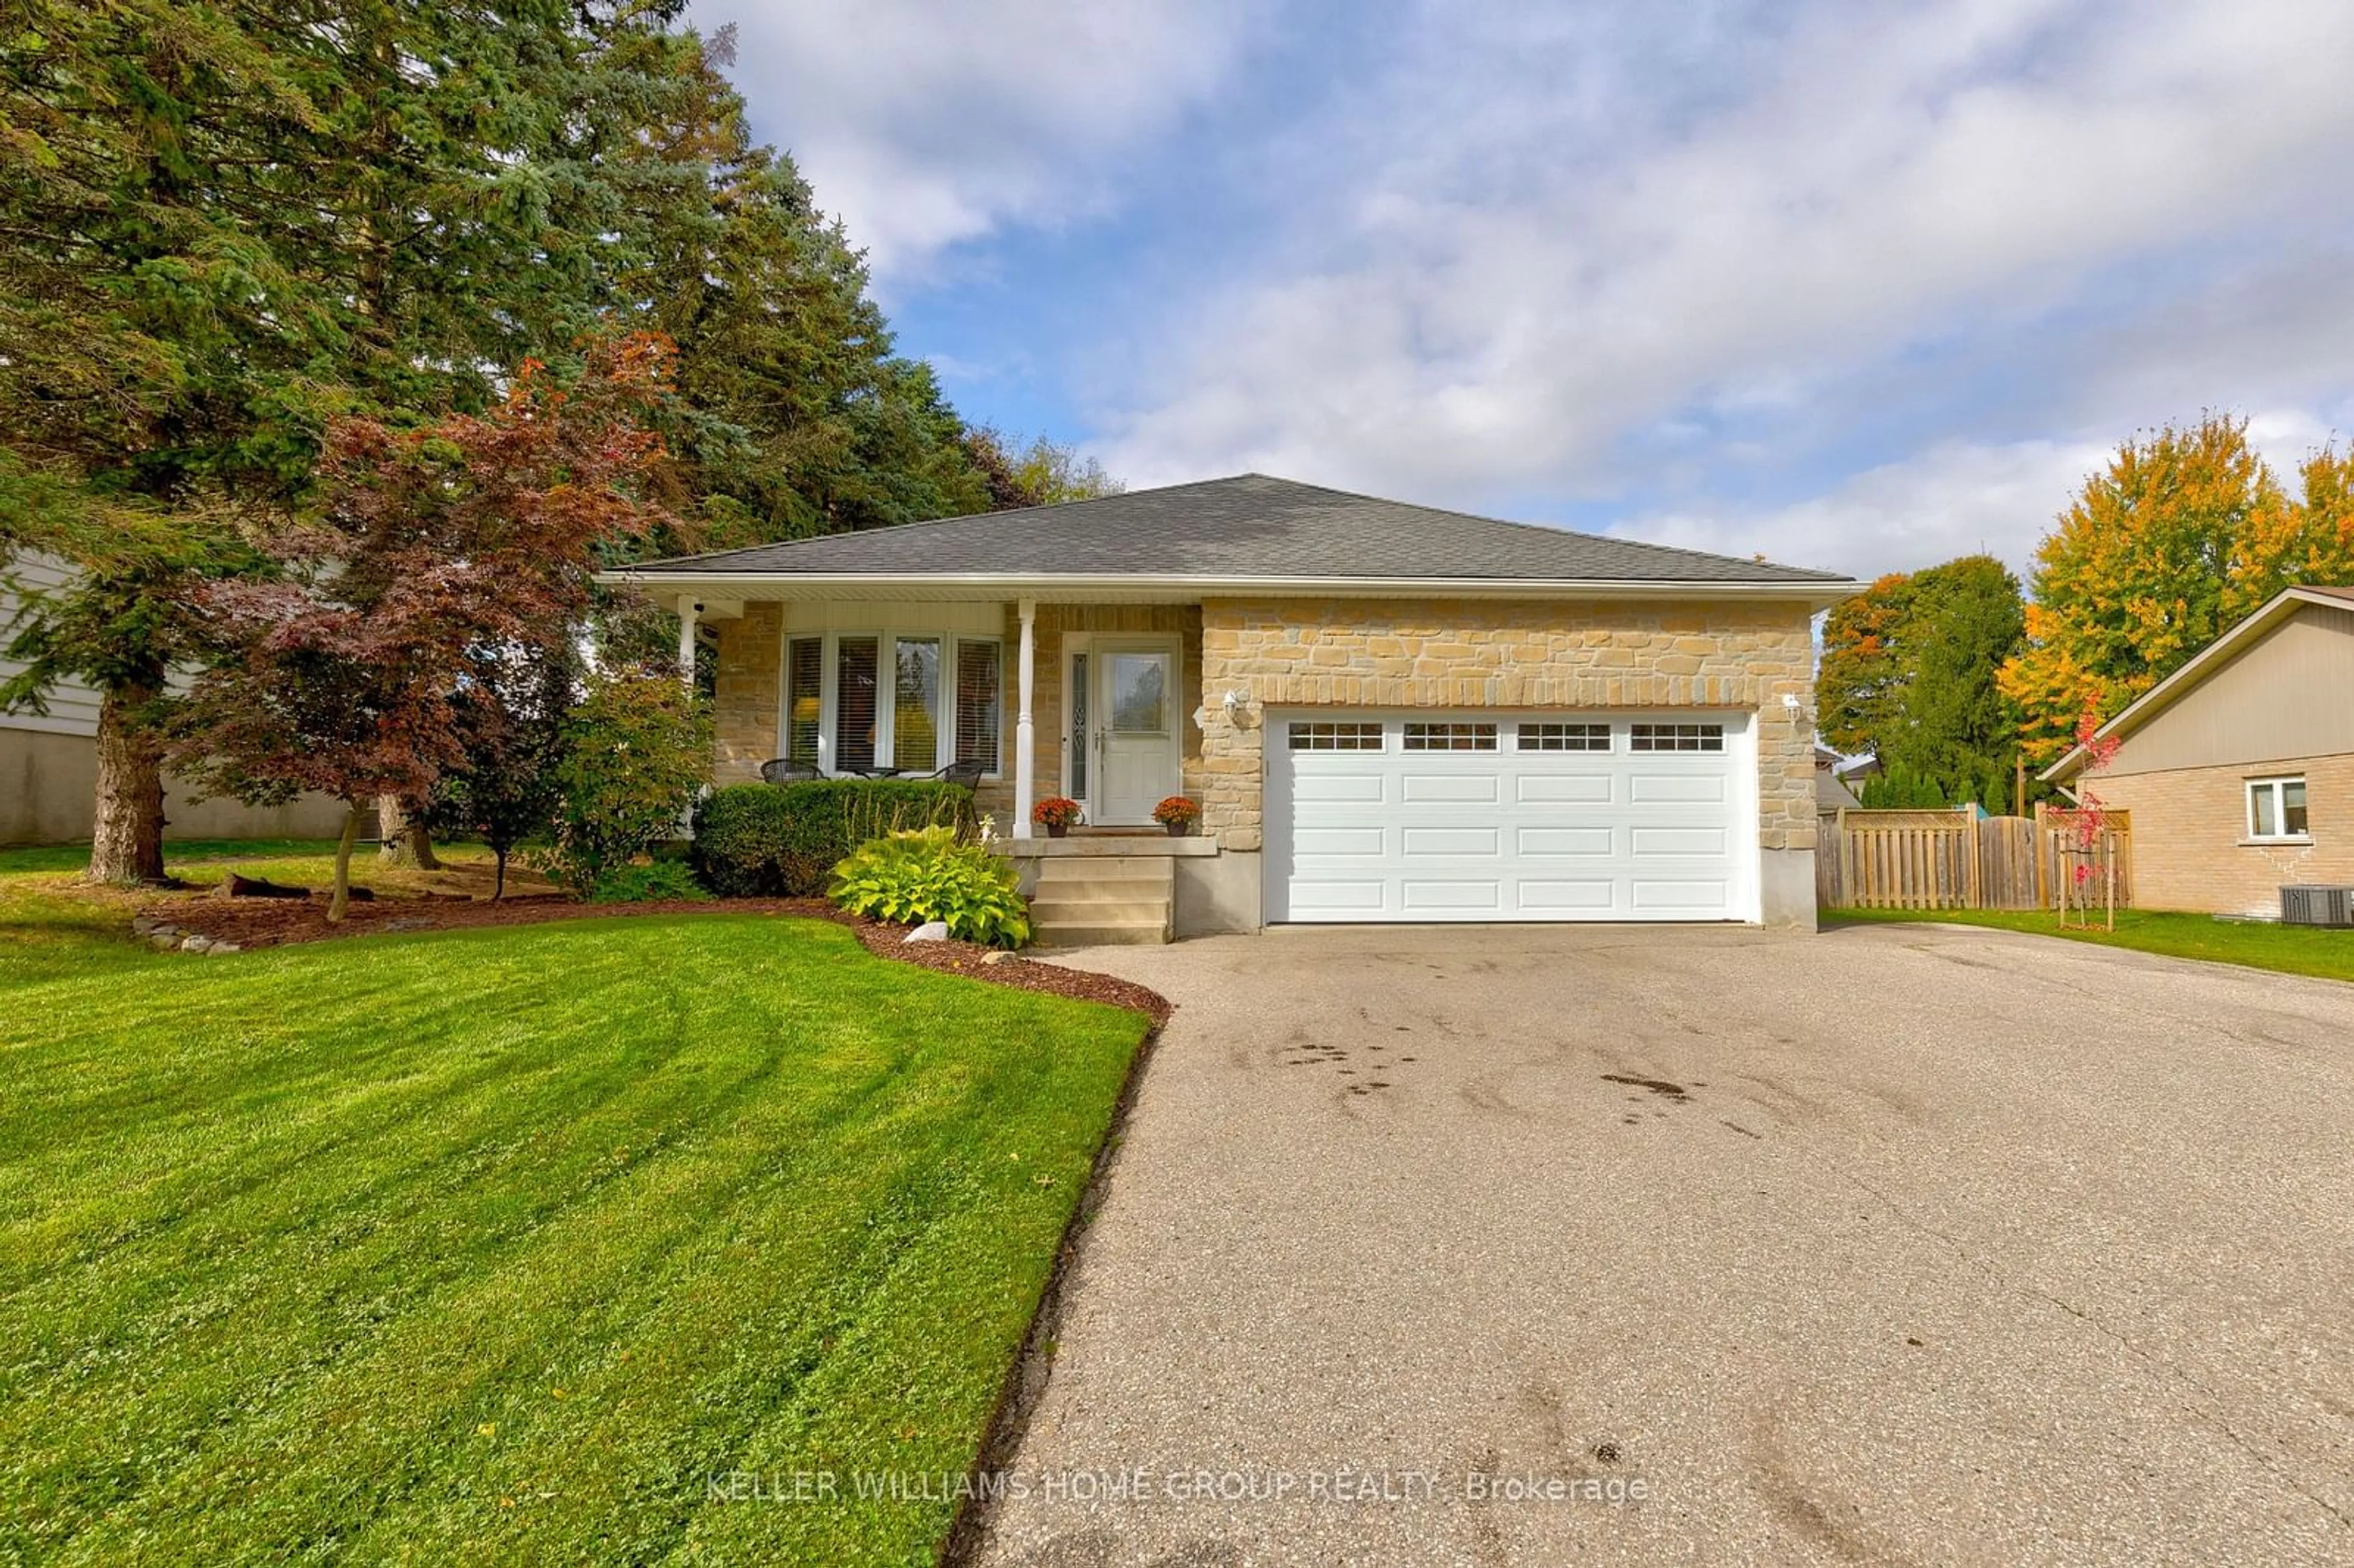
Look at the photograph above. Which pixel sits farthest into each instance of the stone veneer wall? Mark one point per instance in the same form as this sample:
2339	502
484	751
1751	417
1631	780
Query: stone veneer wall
1397	653
748	693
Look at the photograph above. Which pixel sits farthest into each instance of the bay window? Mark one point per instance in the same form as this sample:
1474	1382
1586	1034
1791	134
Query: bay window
916	704
854	708
906	701
804	698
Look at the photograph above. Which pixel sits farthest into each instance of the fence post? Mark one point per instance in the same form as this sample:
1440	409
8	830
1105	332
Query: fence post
2038	846
1840	870
1970	848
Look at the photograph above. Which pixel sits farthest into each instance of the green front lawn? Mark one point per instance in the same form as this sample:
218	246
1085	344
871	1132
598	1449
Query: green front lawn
500	1245
2260	945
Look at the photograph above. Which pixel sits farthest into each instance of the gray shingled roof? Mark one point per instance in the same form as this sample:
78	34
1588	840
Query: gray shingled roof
1246	526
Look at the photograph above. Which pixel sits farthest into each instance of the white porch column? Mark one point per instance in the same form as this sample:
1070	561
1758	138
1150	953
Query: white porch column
1024	734
687	611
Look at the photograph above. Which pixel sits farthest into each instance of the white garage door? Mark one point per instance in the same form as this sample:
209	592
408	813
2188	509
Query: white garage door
1478	815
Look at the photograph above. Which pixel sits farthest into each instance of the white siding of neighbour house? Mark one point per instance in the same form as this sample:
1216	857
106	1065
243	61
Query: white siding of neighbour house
72	706
49	766
2283	695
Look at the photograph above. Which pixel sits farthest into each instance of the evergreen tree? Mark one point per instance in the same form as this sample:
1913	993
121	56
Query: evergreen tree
1909	674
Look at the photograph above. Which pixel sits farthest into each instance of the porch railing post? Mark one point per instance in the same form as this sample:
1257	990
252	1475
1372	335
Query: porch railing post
1025	735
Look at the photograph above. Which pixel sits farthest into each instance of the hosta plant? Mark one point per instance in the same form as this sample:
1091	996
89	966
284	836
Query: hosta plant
929	874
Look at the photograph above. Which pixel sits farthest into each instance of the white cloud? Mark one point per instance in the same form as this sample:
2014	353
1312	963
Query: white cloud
1502	282
924	124
1953	499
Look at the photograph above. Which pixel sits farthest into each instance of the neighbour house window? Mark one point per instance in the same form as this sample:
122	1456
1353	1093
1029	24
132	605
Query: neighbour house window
1450	738
804	697
1675	737
2276	809
1318	736
911	702
1564	737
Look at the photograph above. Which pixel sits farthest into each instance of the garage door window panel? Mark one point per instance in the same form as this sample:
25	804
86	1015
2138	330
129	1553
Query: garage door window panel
1450	738
1322	736
1588	737
1675	737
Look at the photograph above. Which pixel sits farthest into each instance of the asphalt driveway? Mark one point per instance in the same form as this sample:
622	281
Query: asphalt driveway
1710	1245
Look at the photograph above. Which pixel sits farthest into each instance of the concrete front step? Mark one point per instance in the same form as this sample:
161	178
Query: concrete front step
1097	889
1057	910
1102	900
1122	934
1107	868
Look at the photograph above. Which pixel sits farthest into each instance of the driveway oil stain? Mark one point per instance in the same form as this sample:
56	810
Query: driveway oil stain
1657	1086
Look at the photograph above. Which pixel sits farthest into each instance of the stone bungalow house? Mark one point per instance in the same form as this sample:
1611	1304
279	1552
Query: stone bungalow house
2239	768
1386	712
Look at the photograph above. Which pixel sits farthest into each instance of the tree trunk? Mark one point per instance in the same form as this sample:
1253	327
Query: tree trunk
404	838
499	880
127	831
341	898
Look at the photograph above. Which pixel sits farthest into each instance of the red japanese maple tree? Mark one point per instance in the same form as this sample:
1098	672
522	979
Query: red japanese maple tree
2085	827
349	670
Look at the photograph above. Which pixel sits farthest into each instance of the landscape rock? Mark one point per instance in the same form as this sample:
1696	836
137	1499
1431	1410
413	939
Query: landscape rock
998	956
196	944
219	948
929	931
163	939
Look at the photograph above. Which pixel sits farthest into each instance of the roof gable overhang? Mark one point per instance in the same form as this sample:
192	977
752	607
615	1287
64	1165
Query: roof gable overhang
2273	614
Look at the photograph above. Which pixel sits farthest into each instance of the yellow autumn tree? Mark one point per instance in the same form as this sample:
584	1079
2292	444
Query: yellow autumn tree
2186	532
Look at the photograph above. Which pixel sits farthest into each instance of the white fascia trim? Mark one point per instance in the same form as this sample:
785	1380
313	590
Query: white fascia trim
2150	704
1817	595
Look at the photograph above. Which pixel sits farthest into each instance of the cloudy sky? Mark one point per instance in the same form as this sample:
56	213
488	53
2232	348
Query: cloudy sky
1856	285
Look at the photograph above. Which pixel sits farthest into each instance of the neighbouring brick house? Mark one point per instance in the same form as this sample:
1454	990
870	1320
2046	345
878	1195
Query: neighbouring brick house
1386	712
2239	768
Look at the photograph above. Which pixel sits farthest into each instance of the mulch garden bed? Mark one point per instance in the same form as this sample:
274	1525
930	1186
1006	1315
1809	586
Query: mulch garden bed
252	923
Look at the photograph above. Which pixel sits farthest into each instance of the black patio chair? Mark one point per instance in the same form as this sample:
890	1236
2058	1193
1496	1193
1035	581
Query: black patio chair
965	771
785	771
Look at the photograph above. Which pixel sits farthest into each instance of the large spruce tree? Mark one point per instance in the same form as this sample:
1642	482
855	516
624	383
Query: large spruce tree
222	226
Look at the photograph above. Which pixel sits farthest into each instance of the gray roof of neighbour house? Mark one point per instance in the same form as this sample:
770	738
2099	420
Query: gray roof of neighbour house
1248	526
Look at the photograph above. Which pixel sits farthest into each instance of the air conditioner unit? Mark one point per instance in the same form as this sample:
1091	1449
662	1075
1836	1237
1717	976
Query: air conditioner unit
2317	906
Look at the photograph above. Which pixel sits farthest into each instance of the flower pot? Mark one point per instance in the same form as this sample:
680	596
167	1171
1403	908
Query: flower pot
1176	830
1057	829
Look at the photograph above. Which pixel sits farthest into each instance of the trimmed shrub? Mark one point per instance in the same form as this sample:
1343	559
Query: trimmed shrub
634	753
754	840
929	874
658	881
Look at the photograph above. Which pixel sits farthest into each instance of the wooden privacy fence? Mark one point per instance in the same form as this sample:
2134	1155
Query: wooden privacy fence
1959	860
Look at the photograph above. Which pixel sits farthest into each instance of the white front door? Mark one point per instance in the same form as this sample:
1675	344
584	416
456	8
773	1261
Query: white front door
1482	815
1135	714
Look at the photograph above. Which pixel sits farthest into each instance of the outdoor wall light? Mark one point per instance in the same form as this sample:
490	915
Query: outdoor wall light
1234	703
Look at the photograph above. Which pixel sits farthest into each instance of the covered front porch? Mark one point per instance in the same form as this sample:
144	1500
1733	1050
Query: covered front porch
1099	703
